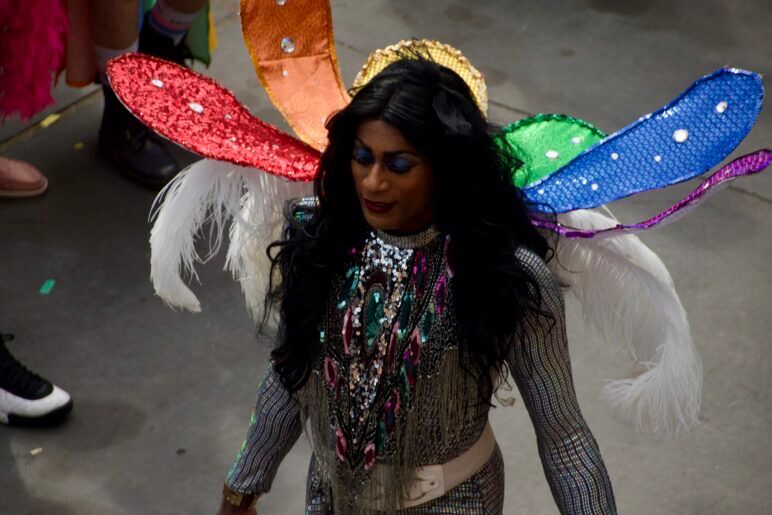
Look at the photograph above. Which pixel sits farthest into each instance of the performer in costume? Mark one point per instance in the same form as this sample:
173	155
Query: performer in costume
387	393
416	283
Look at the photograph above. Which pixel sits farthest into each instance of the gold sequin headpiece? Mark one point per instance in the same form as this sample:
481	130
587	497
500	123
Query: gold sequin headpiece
440	53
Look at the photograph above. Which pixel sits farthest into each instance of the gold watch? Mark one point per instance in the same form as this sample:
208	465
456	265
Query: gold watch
238	499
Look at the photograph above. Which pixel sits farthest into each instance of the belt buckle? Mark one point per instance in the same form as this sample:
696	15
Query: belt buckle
429	484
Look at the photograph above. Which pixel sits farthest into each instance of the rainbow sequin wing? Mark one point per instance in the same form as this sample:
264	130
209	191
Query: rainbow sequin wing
201	115
544	143
678	142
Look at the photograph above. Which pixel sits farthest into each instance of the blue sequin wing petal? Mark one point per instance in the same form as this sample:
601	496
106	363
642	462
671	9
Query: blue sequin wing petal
683	139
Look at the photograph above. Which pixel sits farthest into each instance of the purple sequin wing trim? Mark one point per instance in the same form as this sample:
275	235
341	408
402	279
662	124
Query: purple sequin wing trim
678	142
749	164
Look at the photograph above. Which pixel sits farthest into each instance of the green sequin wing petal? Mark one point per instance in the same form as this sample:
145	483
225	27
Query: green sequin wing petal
545	143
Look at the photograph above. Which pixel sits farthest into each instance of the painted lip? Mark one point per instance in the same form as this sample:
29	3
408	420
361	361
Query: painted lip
378	207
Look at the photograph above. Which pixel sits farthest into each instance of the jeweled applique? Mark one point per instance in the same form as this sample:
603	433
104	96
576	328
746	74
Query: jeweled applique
385	310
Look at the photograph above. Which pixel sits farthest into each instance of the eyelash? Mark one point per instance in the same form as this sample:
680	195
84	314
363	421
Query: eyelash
396	165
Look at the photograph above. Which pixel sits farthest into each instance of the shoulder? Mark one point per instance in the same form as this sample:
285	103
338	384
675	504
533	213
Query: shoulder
297	213
302	209
533	264
537	270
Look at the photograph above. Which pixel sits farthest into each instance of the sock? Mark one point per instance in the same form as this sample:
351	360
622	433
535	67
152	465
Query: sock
104	54
170	22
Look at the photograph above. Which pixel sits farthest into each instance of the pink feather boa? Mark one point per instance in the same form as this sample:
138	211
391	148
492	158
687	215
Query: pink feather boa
32	52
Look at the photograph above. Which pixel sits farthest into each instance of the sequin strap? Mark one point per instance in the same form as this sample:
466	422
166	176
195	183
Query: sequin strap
748	164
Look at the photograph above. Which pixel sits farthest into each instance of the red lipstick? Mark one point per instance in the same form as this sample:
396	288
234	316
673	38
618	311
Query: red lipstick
378	207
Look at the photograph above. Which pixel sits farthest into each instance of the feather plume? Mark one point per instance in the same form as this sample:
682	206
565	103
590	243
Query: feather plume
628	296
212	193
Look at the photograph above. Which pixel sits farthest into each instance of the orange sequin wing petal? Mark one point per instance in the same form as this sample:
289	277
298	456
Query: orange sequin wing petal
292	48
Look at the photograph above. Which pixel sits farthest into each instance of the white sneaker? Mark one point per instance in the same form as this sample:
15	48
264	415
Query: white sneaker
26	399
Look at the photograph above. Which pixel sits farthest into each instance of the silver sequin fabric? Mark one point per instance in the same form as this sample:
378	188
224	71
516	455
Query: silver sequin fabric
541	367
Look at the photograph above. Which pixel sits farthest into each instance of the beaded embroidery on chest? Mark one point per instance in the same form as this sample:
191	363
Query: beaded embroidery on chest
371	342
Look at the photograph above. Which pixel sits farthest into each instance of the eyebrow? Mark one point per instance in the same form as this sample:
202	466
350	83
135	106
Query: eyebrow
389	154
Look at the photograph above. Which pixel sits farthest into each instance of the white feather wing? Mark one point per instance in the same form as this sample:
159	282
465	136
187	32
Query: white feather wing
212	194
627	295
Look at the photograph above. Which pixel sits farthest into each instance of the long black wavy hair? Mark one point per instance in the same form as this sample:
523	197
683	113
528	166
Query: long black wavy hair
476	203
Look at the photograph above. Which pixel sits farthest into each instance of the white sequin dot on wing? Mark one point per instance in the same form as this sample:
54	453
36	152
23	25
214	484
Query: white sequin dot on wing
281	2
552	154
721	107
594	187
576	140
284	73
681	135
158	83
658	158
196	107
614	156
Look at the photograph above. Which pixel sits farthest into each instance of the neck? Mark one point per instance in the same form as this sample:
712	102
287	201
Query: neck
405	239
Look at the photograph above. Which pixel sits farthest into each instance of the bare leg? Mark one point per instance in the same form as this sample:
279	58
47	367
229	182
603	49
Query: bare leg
187	6
115	22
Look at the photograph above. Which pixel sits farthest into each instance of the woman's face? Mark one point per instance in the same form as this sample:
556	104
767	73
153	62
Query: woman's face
393	181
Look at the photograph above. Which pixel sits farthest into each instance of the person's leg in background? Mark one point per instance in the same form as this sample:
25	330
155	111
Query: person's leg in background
139	153
165	27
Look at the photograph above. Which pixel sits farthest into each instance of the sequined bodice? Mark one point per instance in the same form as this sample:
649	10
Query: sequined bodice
392	294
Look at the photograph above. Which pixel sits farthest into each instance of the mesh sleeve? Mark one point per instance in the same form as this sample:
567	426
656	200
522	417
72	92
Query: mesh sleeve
274	428
541	367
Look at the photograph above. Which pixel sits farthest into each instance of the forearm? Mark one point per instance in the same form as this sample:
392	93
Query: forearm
274	428
577	475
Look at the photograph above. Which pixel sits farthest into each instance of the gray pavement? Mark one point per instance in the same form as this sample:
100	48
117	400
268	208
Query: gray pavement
162	398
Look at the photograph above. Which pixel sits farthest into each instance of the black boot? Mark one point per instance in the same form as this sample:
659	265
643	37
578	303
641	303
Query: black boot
26	399
160	45
139	153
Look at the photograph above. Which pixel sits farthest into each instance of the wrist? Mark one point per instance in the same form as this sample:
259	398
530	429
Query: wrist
238	500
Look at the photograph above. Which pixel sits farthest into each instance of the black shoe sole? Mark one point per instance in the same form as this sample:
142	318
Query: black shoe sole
50	419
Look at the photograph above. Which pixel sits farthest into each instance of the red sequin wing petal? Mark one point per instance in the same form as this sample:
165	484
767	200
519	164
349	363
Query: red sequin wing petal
201	115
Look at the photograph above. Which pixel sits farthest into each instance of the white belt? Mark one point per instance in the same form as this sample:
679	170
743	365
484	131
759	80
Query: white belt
433	481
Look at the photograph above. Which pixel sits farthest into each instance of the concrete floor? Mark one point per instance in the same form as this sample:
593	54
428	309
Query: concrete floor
162	398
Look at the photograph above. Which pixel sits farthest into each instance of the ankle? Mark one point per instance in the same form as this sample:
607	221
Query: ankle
170	22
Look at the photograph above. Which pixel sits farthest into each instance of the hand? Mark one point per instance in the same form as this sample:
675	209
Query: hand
227	508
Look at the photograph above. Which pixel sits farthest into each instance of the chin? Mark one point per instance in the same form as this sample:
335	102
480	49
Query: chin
379	223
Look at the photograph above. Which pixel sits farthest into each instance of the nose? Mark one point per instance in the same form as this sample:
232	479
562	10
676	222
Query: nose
376	179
